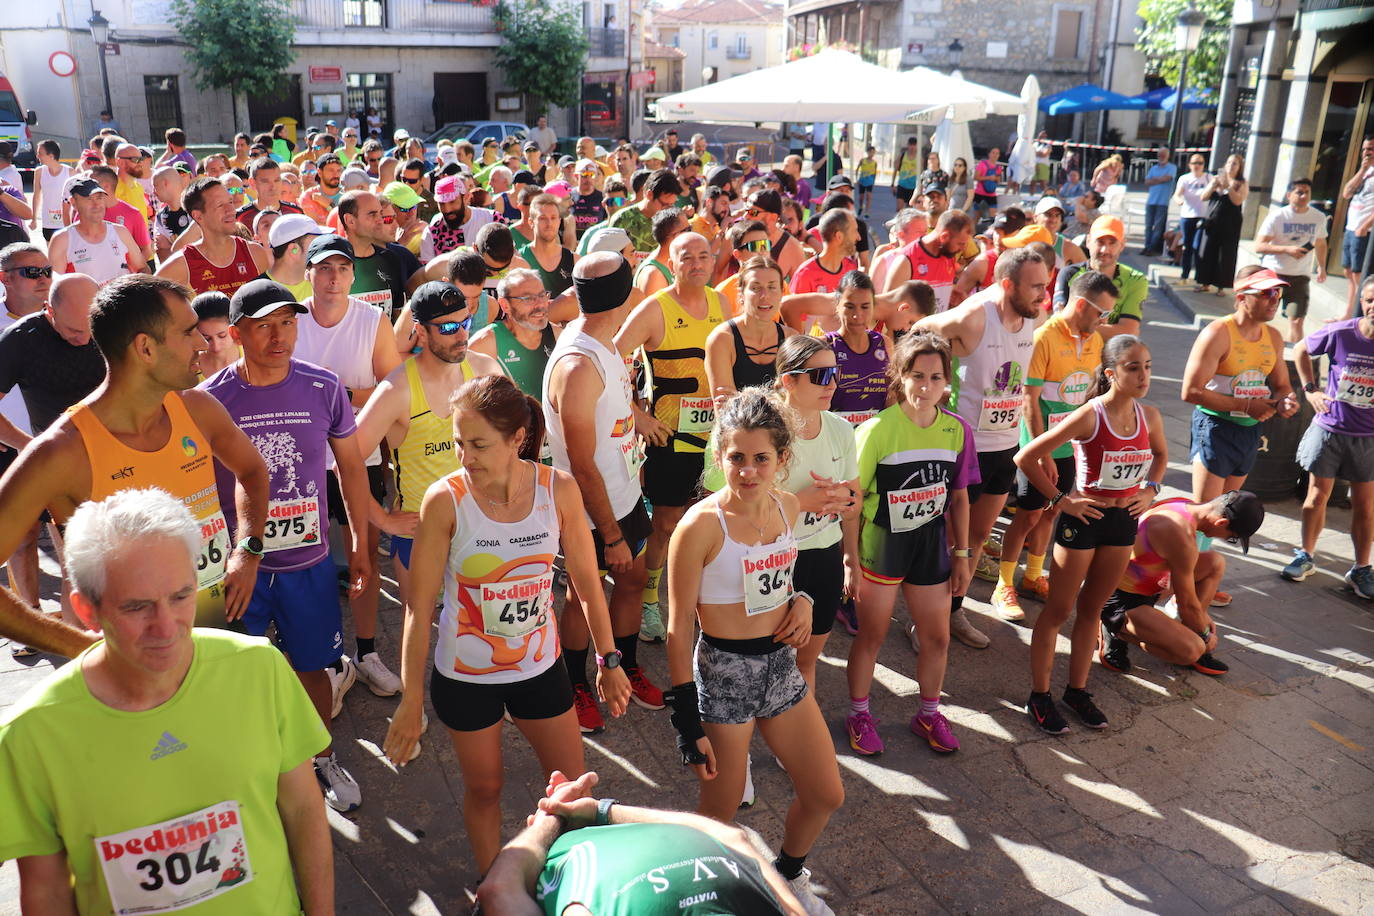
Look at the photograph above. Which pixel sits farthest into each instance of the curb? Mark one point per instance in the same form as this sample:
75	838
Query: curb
1160	284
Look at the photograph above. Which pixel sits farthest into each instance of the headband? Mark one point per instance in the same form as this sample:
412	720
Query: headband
602	294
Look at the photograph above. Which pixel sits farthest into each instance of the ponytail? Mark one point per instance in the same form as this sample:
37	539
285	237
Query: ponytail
506	408
1112	353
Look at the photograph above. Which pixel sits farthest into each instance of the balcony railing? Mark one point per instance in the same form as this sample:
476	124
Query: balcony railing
605	42
400	16
736	52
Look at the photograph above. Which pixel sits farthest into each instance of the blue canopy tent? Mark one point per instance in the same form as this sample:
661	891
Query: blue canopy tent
1088	97
1192	98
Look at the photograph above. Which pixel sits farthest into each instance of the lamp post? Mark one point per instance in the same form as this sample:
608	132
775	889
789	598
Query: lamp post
1187	34
956	52
100	34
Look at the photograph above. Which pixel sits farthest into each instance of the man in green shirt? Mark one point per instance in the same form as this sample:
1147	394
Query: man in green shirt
523	339
661	191
1106	241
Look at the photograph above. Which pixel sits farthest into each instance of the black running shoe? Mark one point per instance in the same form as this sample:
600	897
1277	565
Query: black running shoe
1114	653
1040	707
1211	666
1081	702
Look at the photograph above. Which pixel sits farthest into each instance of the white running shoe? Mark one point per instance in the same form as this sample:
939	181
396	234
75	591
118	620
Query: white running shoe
962	629
341	682
912	635
340	789
748	800
801	887
377	676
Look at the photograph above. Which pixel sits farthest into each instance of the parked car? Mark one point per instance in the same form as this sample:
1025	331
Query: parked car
592	110
475	132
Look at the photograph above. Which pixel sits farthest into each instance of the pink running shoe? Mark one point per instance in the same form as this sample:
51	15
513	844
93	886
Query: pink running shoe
863	734
935	730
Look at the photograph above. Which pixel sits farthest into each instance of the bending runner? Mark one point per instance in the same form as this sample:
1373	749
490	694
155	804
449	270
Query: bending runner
143	427
1118	475
731	568
672	327
107	838
294	413
916	464
488	536
741	352
1066	354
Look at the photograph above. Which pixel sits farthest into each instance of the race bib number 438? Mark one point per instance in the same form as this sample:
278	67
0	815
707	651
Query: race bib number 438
1356	387
175	864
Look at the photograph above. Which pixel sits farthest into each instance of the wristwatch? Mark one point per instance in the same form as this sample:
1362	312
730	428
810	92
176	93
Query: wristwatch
252	544
603	811
610	660
962	553
1153	485
1310	387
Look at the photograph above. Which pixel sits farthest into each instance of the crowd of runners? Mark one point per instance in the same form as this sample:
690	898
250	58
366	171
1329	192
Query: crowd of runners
702	403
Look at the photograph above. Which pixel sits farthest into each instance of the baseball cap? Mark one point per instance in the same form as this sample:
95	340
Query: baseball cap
1258	281
565	161
434	299
769	201
446	154
401	134
558	189
838	181
524	176
1049	203
529	146
328	245
260	297
291	226
1107	225
90	155
86	187
331	123
938	189
586	165
612	238
654	152
1244	512
354	178
720	176
449	189
601	151
401	195
744	155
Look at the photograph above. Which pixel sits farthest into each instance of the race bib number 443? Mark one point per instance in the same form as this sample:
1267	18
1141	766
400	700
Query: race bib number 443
909	509
175	864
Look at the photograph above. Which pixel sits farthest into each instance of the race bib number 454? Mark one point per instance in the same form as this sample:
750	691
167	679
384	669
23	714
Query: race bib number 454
513	610
175	864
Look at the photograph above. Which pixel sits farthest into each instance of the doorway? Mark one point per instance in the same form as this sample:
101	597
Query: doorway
1345	122
460	97
264	108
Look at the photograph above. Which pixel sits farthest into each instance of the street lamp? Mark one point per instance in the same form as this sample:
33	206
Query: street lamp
956	51
708	75
100	34
1187	35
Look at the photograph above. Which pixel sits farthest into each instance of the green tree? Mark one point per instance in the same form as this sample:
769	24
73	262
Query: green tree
543	51
234	44
1157	40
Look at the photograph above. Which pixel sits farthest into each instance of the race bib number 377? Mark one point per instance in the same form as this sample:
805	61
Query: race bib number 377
176	864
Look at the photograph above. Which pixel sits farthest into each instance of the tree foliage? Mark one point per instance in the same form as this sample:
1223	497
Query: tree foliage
543	50
236	44
1156	34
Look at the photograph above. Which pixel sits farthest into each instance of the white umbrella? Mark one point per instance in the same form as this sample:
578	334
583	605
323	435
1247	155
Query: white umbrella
964	100
952	142
821	87
1022	156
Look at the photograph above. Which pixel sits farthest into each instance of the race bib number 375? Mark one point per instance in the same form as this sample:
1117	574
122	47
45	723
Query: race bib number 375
176	864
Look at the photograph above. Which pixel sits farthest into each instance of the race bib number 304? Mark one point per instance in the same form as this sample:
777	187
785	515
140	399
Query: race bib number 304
176	864
513	610
909	509
292	523
214	551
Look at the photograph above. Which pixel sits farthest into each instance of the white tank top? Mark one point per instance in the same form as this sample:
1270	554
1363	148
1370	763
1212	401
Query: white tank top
992	381
497	625
103	260
619	452
759	576
345	349
52	186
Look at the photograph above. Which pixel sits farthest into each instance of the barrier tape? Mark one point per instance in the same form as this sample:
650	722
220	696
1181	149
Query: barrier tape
1129	149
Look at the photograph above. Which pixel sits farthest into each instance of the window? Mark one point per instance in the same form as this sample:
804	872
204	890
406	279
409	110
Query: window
1067	26
370	14
586	14
712	40
164	103
741	44
371	91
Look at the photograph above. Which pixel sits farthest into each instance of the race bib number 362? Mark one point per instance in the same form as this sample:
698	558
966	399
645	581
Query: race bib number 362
768	577
176	864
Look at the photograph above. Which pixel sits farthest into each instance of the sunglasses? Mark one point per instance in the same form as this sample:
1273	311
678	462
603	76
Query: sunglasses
403	209
753	212
31	273
449	328
493	271
410	180
825	375
1271	293
615	201
235	191
756	245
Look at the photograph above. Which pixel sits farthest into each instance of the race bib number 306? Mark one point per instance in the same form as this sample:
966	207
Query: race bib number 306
176	864
696	415
513	610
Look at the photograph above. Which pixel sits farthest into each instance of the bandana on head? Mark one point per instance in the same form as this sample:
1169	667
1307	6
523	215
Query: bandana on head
602	294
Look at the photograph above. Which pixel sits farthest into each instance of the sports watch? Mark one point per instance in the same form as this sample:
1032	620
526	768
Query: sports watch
1310	387
610	660
603	811
252	544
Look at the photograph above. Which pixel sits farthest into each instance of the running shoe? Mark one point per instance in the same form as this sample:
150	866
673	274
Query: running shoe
989	568
935	730
992	547
1361	579
747	800
1081	702
811	904
1113	653
19	650
642	691
1005	604
914	637
1212	667
588	716
1301	567
340	789
1221	599
1043	712
377	676
424	727
651	628
848	617
962	629
863	734
1037	589
341	682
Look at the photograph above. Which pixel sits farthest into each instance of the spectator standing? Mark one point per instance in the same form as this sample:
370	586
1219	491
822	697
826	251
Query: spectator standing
1158	180
1043	149
1188	195
1287	240
987	173
1224	198
906	172
1107	173
959	186
1359	216
544	135
933	175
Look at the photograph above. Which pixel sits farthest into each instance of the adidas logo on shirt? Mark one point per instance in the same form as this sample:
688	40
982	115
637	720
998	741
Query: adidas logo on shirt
166	745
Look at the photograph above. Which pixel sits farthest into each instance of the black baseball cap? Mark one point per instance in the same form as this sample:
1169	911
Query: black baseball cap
530	145
436	298
524	176
838	181
937	188
768	200
720	176
1244	513
86	187
327	245
261	297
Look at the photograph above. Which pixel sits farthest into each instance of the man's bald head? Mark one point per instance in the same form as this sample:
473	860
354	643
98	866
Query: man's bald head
69	304
680	243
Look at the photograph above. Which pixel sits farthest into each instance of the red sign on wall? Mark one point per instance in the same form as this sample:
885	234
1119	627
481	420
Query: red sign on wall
641	78
326	74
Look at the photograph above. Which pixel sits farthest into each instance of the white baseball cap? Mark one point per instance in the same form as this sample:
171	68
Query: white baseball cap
1050	203
291	226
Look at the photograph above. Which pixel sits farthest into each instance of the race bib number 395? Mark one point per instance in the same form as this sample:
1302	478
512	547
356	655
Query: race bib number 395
1000	413
176	864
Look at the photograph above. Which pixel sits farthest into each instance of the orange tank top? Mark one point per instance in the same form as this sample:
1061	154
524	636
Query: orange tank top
185	468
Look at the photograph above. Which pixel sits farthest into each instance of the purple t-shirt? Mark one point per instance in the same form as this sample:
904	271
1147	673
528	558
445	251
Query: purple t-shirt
291	424
185	157
1350	378
861	389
